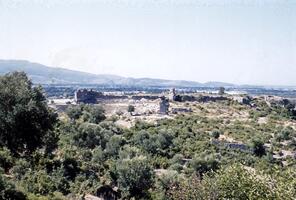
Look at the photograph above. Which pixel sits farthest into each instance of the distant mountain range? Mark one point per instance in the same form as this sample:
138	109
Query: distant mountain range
41	74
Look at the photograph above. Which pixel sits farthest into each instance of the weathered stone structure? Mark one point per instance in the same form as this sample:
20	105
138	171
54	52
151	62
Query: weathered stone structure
241	147
172	94
204	99
148	97
111	98
243	99
91	96
181	110
164	106
87	96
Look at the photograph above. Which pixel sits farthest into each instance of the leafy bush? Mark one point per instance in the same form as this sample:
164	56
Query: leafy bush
93	114
258	147
135	176
74	112
201	165
6	159
235	182
215	134
114	145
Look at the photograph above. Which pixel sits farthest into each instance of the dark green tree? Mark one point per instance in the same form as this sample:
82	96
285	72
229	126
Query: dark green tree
88	135
215	134
24	115
258	147
131	108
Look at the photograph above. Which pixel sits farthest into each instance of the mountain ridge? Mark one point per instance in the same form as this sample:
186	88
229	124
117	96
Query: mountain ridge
42	74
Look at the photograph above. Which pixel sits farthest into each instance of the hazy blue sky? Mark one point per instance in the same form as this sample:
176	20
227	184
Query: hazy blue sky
238	41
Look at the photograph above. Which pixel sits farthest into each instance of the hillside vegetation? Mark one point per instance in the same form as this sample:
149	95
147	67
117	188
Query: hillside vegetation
44	155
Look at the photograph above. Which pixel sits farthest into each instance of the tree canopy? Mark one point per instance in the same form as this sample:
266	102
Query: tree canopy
24	115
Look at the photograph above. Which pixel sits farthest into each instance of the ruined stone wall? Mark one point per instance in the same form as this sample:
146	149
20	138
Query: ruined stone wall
202	99
164	106
87	96
111	98
148	97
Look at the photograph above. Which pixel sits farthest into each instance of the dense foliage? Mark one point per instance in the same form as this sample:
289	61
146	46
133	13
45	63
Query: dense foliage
24	116
84	152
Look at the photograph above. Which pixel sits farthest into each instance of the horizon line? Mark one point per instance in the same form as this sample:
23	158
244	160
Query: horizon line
166	79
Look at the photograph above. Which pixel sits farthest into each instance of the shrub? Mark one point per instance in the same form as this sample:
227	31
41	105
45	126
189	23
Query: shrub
6	159
93	114
130	108
215	134
135	176
38	182
114	145
258	147
20	168
201	165
74	112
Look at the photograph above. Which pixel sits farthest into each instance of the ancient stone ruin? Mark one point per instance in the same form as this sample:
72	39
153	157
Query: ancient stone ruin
91	96
164	106
86	96
172	94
